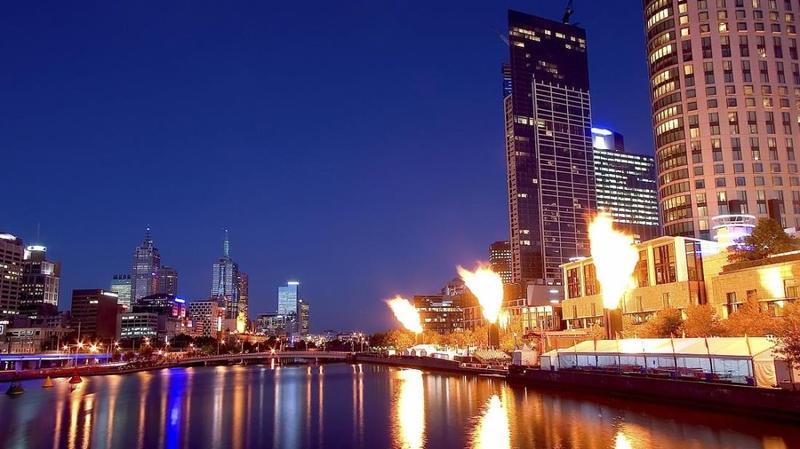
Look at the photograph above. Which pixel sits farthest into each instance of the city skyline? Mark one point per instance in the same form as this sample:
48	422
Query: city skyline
291	227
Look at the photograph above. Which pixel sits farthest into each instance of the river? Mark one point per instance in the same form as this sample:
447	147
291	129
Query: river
354	406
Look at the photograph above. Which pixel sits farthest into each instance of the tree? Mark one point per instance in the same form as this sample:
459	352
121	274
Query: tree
788	333
702	321
181	341
663	324
750	319
768	238
596	332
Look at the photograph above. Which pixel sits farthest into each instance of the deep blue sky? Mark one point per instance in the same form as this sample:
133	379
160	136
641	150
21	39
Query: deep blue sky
356	145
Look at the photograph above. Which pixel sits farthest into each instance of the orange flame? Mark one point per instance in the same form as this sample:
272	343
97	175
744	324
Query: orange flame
406	314
487	287
615	258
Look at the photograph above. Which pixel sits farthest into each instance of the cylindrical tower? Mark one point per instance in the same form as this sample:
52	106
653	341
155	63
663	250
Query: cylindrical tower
725	91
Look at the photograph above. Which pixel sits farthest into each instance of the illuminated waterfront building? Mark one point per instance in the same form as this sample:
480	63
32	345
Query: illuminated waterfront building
40	283
169	310
146	264
303	317
135	325
225	281
11	255
96	312
440	313
500	260
121	285
205	318
548	146
243	285
625	185
724	85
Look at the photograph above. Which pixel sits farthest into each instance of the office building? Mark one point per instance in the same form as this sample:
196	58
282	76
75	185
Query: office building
625	185
40	284
167	281
243	285
96	312
169	310
500	260
273	324
135	326
121	285
288	297
146	264
225	281
304	317
548	147
440	313
11	255
205	318
724	85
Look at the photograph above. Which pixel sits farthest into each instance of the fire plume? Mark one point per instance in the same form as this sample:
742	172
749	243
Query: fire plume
615	258
487	286
406	314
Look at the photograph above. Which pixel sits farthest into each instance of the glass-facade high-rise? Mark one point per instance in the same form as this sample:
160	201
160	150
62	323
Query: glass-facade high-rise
500	260
225	281
288	297
121	285
146	264
243	284
167	280
626	185
548	146
725	90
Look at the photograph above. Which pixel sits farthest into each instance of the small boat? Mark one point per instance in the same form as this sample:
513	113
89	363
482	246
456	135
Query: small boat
15	389
76	379
48	383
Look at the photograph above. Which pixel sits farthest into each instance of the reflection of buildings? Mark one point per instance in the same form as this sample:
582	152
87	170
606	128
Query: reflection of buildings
440	313
96	311
625	185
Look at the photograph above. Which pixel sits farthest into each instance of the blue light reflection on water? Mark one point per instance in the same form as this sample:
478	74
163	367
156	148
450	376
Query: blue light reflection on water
358	406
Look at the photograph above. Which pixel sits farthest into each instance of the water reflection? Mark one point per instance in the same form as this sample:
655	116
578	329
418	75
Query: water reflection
410	410
492	430
353	406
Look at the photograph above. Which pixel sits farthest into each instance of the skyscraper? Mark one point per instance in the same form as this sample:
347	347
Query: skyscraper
167	281
146	264
304	317
548	146
40	283
225	281
11	254
97	312
288	297
724	85
243	284
626	185
121	285
500	260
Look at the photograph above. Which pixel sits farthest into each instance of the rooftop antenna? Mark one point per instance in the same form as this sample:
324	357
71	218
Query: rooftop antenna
567	13
226	246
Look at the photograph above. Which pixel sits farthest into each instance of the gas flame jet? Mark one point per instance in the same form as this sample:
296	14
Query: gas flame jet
488	287
615	258
406	314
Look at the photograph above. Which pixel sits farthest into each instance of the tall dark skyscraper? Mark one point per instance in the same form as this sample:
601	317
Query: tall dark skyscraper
548	146
40	283
225	281
11	254
167	280
146	264
500	260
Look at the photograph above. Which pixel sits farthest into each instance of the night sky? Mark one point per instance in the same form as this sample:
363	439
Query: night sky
355	145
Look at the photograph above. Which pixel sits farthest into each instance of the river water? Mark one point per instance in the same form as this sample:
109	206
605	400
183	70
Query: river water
354	406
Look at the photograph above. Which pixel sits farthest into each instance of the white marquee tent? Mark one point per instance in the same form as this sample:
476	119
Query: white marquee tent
736	359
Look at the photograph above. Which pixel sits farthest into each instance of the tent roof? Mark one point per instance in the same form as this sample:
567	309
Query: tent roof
724	347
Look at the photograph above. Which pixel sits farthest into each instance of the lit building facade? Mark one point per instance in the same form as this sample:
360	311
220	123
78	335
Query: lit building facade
500	260
225	281
304	317
626	185
169	310
288	297
548	146
167	281
725	88
121	285
243	284
11	255
440	313
146	264
136	326
40	283
205	318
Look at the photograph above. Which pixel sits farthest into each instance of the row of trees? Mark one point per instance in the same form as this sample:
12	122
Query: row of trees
511	336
